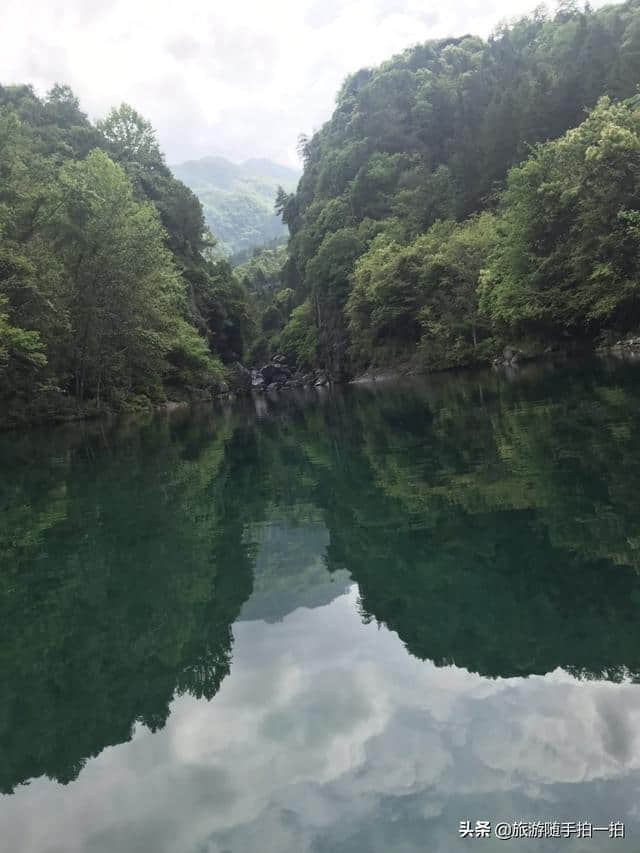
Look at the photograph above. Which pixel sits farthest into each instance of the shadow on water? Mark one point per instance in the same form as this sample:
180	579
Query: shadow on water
491	521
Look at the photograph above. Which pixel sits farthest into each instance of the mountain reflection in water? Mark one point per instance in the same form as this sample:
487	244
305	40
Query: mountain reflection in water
410	604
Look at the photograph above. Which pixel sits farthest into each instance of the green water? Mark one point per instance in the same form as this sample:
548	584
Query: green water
342	621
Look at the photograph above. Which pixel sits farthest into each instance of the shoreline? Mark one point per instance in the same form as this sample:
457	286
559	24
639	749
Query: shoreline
621	351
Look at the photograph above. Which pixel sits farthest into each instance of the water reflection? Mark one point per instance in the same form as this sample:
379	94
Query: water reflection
289	565
328	736
486	530
122	575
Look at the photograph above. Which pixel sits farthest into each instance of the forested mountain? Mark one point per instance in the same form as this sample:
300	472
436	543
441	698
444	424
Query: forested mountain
416	236
238	199
464	196
109	293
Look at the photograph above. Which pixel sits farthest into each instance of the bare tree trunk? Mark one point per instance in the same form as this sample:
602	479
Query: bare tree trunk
98	387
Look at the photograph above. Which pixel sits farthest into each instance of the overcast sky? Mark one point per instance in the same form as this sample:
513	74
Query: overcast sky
241	78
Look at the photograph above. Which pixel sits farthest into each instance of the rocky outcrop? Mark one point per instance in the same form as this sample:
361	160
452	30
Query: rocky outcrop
257	380
275	372
627	349
627	344
278	376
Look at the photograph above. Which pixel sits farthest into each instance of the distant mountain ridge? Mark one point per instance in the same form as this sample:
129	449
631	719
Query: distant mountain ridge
238	198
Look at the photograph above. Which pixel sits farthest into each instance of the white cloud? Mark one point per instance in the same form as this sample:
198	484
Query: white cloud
328	730
240	78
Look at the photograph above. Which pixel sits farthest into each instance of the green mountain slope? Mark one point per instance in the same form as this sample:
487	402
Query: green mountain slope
417	236
238	198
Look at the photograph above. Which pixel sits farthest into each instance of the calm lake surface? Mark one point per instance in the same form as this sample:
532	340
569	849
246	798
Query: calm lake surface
340	622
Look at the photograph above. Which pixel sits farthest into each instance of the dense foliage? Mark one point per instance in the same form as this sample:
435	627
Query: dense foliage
271	302
109	293
464	196
569	249
387	248
237	199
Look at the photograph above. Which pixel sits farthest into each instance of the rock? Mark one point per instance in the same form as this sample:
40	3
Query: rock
272	386
279	359
173	405
275	373
626	344
321	379
257	382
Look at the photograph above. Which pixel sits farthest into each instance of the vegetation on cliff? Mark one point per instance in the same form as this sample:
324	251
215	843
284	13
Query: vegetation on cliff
109	293
469	193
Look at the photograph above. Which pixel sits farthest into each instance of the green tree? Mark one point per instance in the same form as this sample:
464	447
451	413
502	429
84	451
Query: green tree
132	137
423	294
18	345
430	135
108	284
567	261
453	330
123	286
328	279
299	338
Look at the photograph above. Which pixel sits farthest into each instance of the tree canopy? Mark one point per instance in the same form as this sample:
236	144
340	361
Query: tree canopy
109	292
386	238
465	195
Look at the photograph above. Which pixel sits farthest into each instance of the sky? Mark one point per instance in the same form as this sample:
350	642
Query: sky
240	78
